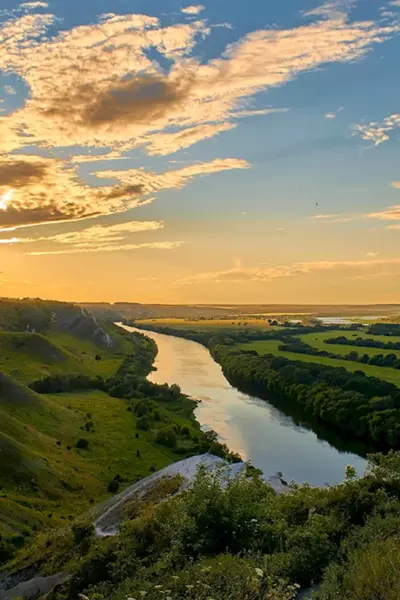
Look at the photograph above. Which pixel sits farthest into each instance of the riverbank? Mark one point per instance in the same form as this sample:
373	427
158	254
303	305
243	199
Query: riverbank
271	440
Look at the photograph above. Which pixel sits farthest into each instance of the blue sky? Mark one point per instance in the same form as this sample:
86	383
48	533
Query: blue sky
250	150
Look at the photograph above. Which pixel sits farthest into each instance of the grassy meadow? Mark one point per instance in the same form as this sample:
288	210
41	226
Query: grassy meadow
272	347
317	340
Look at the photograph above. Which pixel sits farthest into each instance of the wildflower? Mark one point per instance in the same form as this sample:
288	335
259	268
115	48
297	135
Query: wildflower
168	598
190	587
143	593
259	572
157	587
175	577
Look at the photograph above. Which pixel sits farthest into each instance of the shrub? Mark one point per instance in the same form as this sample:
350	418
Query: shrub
185	431
82	444
167	437
143	423
82	531
113	486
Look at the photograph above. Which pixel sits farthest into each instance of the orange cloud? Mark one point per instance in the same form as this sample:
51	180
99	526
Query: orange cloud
48	190
113	248
98	238
127	98
390	214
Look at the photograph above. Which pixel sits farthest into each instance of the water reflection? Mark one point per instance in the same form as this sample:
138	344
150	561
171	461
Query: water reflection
270	439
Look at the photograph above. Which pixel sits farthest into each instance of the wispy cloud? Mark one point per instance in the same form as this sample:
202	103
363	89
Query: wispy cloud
33	5
331	10
334	218
379	131
193	9
264	274
333	115
98	238
96	104
320	217
48	190
113	248
390	214
96	87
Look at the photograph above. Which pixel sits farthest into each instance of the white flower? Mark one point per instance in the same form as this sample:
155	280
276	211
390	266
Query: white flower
175	577
259	572
143	593
190	587
158	587
168	598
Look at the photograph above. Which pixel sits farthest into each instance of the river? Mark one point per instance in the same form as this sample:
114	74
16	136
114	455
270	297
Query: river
250	426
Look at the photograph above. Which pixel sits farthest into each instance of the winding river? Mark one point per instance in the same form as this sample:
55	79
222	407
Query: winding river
253	427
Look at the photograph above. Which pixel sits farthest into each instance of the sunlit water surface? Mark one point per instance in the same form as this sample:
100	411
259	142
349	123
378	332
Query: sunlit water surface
248	425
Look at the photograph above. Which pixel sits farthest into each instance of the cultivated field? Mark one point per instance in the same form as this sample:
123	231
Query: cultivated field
209	324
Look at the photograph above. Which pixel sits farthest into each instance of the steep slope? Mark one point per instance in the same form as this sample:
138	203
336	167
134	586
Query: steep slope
40	316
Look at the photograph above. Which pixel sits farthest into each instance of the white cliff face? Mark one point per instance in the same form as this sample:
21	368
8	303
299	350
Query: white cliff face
82	324
110	519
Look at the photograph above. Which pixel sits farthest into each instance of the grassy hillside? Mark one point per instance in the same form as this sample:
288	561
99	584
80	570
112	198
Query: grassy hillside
272	347
61	452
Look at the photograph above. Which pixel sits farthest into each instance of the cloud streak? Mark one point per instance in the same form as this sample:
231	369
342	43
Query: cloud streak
48	190
98	238
265	274
113	248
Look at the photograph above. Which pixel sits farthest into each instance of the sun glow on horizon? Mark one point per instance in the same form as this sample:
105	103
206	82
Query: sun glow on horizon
6	199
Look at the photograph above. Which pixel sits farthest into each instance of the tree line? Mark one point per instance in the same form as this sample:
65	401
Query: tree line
365	342
381	360
359	407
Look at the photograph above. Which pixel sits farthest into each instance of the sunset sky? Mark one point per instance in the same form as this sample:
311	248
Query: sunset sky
158	151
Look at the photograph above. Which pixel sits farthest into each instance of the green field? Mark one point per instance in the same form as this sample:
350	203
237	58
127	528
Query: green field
272	347
317	340
208	324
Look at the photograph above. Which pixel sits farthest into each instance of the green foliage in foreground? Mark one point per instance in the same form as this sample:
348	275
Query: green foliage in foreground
242	541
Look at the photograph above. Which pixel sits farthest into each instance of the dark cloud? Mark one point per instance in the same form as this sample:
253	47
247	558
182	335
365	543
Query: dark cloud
143	99
19	173
124	191
14	217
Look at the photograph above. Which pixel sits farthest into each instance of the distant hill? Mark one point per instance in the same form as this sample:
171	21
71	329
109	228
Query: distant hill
133	310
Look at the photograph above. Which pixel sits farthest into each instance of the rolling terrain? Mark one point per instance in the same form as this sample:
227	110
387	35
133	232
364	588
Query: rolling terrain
62	452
